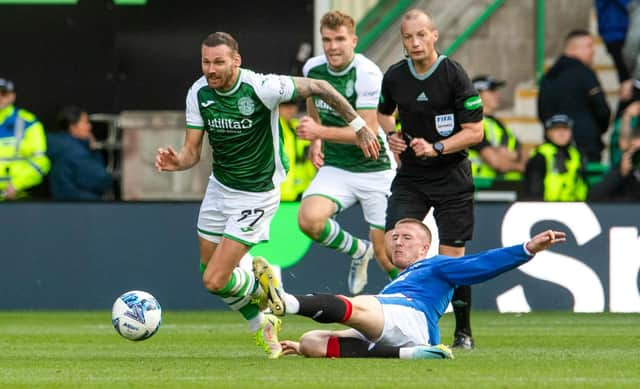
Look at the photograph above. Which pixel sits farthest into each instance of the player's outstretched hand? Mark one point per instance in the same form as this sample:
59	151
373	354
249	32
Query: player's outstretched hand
167	159
290	347
544	240
367	141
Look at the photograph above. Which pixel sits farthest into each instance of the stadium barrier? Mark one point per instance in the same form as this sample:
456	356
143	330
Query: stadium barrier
82	256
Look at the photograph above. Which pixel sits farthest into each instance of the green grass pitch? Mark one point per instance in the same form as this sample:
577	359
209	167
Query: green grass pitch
215	350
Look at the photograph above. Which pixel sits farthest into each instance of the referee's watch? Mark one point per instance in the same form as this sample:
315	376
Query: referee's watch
439	148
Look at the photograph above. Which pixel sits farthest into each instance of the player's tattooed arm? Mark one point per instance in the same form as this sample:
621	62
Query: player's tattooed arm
307	87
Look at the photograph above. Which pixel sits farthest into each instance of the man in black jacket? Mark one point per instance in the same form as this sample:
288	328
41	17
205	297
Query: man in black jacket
571	87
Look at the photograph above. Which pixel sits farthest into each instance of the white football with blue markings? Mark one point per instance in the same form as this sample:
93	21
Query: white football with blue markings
136	315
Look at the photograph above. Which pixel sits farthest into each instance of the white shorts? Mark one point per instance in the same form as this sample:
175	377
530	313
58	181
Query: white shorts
235	214
346	188
404	326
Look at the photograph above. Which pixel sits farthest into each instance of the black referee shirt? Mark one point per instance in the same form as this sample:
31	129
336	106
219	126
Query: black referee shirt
430	106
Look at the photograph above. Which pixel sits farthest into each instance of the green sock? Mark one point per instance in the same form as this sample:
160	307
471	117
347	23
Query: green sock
237	292
333	236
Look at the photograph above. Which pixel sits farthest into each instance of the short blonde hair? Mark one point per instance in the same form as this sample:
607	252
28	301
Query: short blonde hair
423	227
415	13
335	19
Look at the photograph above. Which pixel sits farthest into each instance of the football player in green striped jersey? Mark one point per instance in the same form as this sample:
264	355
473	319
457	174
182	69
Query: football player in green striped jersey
345	177
238	111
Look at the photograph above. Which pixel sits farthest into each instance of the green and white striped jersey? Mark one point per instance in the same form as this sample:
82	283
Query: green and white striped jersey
360	84
242	127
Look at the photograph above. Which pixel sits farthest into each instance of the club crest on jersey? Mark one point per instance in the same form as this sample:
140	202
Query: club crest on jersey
348	88
444	124
246	106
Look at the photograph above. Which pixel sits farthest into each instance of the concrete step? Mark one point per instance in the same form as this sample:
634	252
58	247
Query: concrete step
526	101
608	77
526	128
601	56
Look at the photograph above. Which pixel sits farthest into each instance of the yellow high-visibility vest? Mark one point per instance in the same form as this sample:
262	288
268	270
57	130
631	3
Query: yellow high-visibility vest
496	135
567	186
301	170
23	146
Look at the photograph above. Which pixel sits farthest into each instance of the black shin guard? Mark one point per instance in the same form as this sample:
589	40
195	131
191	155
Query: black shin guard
462	309
324	308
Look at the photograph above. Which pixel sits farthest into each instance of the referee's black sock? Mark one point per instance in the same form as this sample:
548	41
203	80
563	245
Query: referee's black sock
462	309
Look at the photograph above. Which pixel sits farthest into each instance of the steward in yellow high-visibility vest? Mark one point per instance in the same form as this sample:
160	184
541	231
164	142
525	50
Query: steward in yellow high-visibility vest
23	162
555	171
301	170
496	136
498	155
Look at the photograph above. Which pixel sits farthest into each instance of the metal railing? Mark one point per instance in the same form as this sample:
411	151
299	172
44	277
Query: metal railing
377	20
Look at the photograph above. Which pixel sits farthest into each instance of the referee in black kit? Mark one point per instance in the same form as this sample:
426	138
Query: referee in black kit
441	116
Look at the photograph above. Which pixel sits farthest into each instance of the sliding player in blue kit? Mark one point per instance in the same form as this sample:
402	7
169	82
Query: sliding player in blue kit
402	320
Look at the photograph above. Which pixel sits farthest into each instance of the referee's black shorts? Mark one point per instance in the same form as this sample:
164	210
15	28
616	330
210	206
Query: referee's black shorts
453	205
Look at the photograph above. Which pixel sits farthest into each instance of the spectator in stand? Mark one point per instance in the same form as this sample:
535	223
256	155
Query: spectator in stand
78	171
555	171
631	48
613	23
622	183
498	155
23	162
301	170
572	87
627	120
